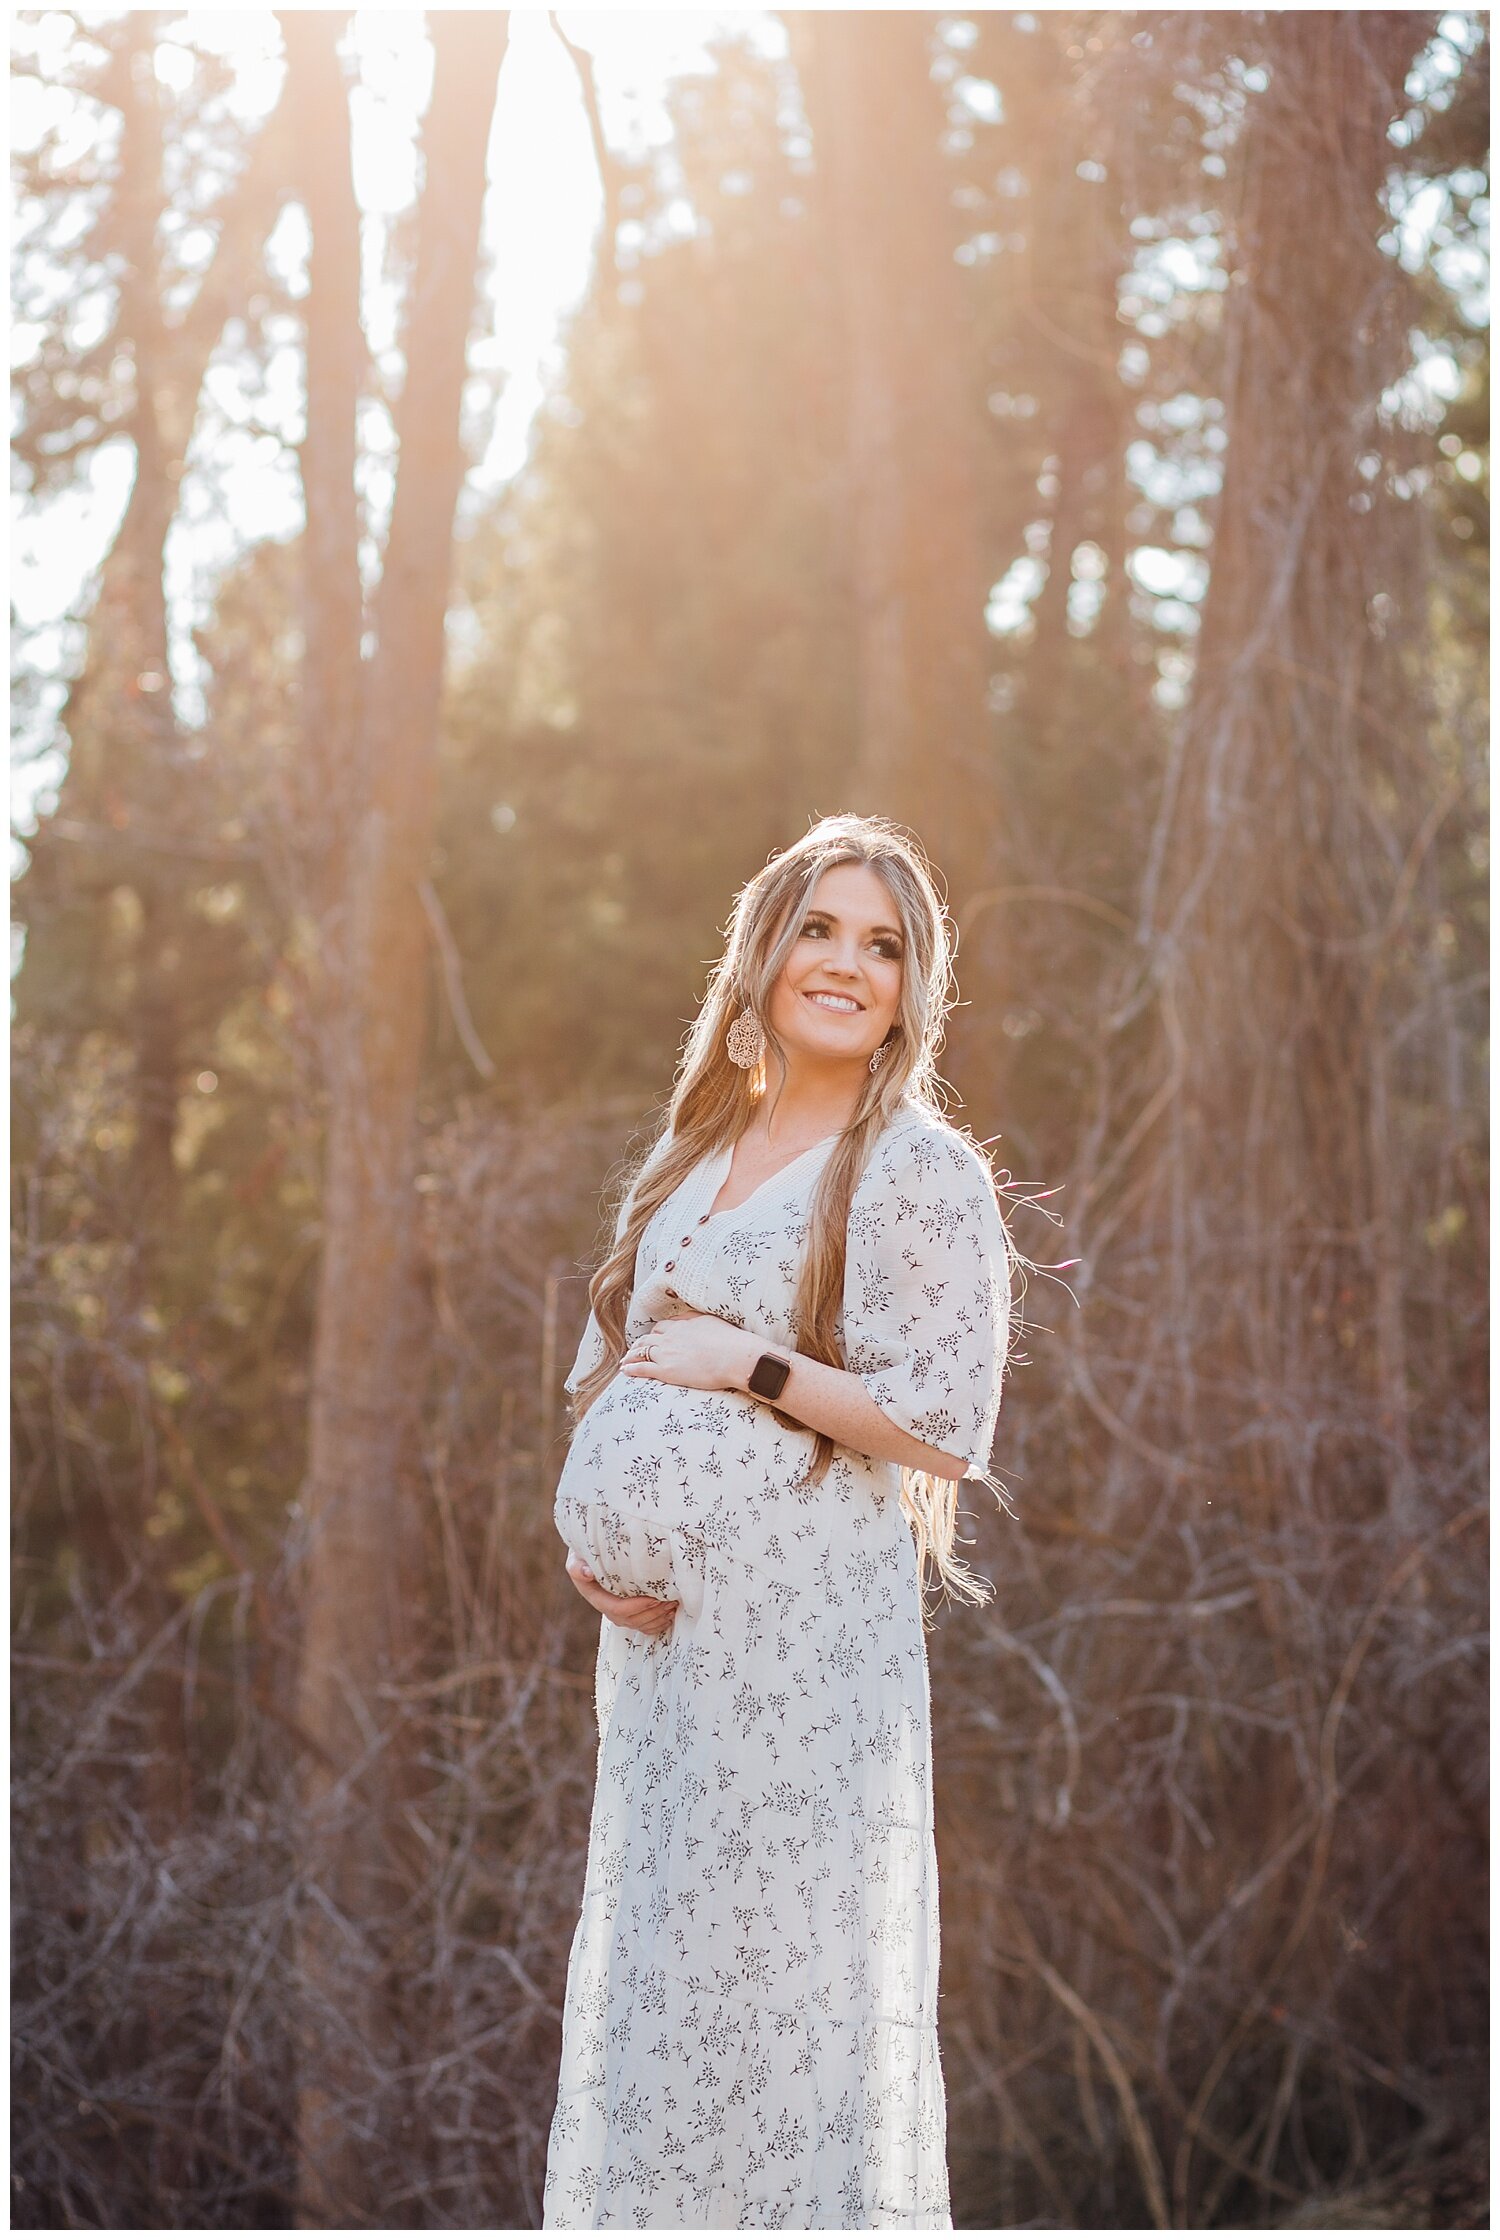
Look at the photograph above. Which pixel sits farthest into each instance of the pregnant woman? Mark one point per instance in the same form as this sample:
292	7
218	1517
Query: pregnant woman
794	1354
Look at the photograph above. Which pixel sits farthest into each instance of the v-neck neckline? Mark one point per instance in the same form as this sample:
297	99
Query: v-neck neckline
721	1173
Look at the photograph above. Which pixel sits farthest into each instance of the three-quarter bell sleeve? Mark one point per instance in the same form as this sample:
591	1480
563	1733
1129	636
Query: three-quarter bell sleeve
590	1353
927	1292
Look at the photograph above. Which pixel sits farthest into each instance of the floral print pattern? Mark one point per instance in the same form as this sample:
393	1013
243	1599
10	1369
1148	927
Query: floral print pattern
750	2025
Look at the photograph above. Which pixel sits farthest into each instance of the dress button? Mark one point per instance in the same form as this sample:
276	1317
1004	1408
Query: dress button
687	1240
671	1264
671	1294
701	1219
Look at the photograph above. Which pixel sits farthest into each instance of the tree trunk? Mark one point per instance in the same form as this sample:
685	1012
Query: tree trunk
146	751
914	552
355	1587
329	783
143	775
1298	774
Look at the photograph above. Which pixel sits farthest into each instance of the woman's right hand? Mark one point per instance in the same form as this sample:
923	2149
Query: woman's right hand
641	1613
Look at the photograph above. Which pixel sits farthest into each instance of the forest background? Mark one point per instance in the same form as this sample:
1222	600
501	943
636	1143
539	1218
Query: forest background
1066	432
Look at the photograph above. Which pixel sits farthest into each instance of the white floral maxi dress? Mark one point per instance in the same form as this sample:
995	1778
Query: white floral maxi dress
750	2025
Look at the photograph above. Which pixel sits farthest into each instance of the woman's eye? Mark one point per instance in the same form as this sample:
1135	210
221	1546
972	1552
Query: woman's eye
816	929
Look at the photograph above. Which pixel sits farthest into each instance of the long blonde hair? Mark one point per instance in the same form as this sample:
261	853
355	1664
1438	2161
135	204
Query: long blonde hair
713	1099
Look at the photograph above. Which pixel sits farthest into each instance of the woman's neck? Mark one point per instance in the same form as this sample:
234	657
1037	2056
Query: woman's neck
805	1110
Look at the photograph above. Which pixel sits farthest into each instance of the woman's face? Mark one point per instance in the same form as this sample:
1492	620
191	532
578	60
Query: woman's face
836	996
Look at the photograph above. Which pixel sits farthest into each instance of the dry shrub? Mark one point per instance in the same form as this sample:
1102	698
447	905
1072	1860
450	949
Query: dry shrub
158	2023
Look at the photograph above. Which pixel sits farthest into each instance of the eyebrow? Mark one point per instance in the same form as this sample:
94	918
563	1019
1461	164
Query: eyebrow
833	919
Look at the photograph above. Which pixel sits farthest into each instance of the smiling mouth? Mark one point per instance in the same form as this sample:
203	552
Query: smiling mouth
843	1006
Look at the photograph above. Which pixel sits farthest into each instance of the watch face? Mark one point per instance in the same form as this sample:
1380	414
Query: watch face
769	1375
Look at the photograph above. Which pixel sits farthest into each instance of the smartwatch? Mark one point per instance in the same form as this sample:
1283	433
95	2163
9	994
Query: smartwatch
769	1376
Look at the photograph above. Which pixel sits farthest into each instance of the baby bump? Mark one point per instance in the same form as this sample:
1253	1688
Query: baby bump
655	1474
629	1555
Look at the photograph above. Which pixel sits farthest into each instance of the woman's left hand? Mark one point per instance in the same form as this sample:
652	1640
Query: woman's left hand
695	1350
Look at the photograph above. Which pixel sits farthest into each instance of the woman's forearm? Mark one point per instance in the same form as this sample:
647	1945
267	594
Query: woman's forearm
836	1402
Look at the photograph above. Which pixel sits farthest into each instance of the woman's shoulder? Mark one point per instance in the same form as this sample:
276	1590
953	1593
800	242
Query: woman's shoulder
920	1143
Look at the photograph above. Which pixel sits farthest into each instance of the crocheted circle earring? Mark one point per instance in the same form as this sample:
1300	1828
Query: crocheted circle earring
747	1041
880	1057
